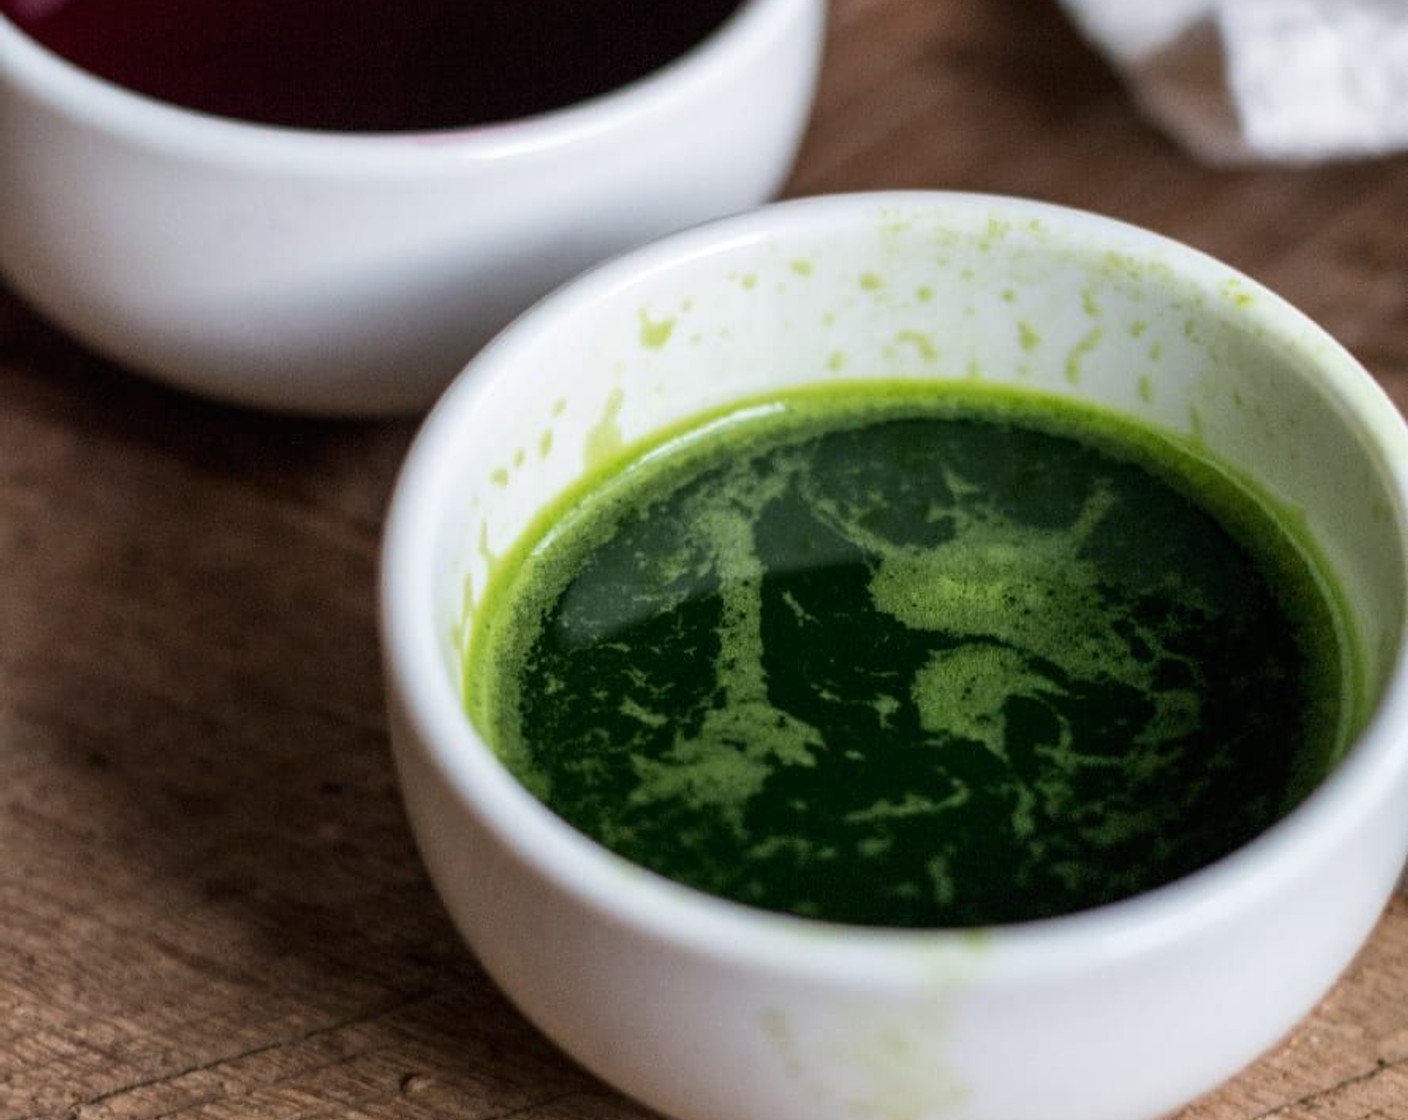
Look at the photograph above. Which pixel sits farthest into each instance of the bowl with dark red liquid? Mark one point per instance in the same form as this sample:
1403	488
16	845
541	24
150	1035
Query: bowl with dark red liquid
329	206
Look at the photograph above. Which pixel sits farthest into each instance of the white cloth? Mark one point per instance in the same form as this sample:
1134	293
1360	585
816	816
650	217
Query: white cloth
1284	80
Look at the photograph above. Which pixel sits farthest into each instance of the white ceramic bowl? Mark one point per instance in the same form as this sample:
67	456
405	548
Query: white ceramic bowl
709	1011
356	274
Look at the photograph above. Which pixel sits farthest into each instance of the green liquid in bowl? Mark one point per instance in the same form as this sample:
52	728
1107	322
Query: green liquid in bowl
914	657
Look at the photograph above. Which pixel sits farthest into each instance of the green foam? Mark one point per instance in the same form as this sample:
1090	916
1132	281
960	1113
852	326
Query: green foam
902	655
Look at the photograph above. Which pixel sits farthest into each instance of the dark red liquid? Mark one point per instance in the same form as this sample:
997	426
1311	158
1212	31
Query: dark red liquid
370	65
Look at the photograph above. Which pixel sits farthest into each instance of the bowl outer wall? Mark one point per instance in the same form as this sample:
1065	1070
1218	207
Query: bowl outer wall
355	274
1181	986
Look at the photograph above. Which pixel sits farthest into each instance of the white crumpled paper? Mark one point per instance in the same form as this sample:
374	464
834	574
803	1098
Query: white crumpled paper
1283	80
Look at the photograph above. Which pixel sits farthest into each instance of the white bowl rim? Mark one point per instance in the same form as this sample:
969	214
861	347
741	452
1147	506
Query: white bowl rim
146	121
659	908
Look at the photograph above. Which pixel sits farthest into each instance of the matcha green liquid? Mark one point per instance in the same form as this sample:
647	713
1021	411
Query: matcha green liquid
912	658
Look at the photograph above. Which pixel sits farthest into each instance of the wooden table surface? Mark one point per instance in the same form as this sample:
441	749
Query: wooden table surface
209	902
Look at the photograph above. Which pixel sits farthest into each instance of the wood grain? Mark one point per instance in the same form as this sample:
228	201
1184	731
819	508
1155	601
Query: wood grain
210	906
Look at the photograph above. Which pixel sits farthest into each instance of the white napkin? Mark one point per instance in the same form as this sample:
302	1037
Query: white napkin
1283	80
